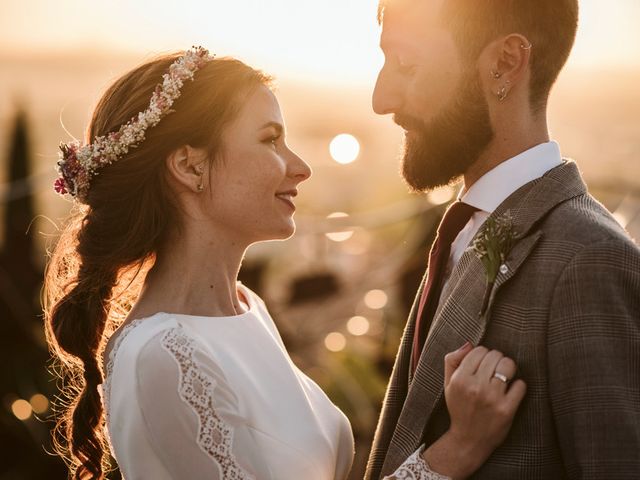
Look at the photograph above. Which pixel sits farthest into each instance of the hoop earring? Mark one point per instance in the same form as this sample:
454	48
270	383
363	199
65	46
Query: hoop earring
523	47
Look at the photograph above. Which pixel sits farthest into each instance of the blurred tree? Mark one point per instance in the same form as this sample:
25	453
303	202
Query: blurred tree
25	383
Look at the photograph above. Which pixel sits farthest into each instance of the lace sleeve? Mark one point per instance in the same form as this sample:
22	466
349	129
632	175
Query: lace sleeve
190	413
415	468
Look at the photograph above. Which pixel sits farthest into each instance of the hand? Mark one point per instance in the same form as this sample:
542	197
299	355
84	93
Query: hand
481	408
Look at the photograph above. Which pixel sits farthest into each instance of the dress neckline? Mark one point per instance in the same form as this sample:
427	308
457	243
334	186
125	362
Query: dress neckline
122	331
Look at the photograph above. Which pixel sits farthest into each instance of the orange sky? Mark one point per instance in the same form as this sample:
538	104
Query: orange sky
332	40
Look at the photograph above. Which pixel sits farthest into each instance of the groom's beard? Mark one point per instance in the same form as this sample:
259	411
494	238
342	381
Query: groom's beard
439	152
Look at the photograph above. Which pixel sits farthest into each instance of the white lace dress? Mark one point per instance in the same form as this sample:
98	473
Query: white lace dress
191	397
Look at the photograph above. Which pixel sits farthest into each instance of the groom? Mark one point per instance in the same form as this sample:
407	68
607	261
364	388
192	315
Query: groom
552	280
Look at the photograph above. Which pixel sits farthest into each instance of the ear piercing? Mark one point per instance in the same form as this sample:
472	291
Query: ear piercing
523	47
200	170
504	91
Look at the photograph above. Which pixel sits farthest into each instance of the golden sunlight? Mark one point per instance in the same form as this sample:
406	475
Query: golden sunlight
331	41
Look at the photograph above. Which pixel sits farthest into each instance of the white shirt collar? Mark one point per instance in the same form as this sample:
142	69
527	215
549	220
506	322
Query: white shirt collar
497	184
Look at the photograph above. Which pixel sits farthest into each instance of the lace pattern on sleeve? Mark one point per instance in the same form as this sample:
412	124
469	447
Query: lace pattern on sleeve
215	437
415	468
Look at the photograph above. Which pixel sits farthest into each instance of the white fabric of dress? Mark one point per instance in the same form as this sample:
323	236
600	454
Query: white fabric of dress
192	397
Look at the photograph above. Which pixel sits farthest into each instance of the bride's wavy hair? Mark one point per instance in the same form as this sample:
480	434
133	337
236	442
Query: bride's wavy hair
96	268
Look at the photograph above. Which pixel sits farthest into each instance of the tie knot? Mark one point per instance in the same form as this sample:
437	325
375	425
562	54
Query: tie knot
454	220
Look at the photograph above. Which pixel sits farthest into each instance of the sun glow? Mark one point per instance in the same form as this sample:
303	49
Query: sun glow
334	40
344	148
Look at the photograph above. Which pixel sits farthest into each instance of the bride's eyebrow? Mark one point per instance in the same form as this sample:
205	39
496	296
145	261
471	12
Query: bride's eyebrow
278	126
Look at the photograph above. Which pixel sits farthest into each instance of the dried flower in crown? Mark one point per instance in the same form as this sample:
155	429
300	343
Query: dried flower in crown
78	164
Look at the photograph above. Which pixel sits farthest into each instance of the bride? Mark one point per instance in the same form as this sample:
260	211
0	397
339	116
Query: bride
184	374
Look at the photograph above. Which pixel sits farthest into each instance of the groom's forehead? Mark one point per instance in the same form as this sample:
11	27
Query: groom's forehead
408	20
410	12
414	17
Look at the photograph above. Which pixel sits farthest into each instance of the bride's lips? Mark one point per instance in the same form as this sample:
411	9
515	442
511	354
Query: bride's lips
287	197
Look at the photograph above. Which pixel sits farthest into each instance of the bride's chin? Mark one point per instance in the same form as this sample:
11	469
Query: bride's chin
283	233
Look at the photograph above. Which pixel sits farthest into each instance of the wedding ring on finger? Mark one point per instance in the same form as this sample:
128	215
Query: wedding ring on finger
501	377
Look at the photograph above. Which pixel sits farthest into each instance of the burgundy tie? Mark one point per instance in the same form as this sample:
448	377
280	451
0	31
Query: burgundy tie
454	220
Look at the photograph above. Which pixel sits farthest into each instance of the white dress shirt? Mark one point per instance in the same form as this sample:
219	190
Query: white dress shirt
496	185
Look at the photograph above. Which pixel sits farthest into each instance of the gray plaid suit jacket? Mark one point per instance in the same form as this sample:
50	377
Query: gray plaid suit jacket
568	312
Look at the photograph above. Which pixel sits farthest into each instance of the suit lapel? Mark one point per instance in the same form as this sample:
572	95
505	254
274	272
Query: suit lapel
458	318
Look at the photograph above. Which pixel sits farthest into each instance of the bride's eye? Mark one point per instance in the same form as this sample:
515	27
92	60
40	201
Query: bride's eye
273	140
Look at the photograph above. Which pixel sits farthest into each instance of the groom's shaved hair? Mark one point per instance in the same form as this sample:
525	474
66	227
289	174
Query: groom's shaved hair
550	26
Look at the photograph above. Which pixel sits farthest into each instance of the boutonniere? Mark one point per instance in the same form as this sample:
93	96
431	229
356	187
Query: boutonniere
492	246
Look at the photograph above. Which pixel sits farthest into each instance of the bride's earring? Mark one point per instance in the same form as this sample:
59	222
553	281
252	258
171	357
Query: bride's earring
200	171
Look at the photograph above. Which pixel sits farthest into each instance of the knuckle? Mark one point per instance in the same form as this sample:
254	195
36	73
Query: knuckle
481	349
503	410
509	363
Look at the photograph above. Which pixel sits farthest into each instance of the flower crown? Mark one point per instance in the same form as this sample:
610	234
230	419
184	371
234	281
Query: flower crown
78	164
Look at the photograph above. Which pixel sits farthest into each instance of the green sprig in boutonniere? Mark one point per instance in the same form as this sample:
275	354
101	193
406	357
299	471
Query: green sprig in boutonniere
492	247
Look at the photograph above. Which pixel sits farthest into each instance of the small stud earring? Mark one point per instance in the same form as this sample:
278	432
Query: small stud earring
200	188
496	75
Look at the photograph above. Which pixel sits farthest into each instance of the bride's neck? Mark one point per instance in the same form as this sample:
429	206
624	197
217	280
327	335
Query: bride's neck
194	275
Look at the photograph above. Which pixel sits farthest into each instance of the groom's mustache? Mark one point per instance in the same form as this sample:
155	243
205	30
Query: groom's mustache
408	122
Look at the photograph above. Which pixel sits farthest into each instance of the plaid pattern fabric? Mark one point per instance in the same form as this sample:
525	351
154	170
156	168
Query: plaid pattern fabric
567	310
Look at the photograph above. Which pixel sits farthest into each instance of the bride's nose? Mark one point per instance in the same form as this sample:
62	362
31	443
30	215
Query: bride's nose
297	168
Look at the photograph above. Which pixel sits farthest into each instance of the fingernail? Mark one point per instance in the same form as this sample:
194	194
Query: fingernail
464	346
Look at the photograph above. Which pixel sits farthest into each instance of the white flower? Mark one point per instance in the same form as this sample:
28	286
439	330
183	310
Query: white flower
82	162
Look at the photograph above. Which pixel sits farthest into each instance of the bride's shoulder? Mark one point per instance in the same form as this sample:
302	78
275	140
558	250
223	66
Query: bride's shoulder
128	341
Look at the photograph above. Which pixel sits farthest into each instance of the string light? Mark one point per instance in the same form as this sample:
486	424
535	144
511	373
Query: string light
358	325
375	299
335	342
39	403
21	409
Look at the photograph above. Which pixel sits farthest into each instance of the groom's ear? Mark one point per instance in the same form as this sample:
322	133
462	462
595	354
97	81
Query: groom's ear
505	61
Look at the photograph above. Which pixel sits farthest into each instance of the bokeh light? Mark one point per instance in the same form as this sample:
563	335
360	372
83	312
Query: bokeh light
358	325
344	148
339	236
375	299
335	342
21	409
39	403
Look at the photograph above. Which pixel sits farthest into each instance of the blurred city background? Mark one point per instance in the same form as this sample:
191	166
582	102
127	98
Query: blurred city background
340	289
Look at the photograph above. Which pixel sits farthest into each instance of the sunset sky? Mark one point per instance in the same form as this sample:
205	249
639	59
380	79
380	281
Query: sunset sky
330	40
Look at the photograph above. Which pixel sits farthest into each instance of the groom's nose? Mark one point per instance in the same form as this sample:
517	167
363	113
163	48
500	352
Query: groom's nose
387	96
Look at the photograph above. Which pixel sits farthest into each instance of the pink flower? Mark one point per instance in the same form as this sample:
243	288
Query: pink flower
59	186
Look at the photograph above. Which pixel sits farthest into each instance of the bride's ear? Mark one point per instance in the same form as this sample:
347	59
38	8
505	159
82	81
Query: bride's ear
186	167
